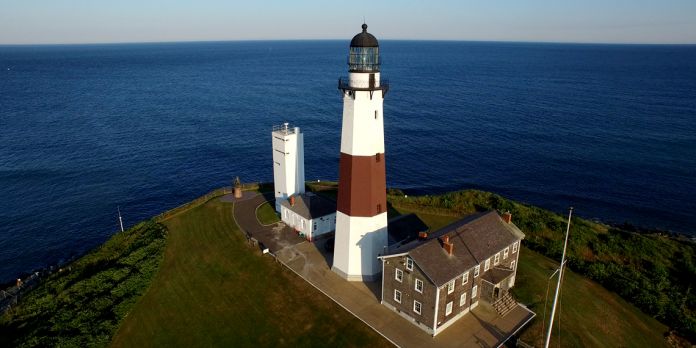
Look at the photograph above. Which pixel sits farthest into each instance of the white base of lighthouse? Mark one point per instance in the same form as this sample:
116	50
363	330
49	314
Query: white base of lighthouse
359	240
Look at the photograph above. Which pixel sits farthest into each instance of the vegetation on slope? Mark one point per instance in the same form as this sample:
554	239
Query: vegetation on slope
652	271
213	289
84	304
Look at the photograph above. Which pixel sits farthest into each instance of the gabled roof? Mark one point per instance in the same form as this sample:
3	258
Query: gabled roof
311	206
475	238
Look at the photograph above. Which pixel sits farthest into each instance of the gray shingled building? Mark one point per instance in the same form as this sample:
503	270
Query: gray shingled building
437	279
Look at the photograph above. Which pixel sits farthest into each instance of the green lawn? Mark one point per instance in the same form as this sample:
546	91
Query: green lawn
266	214
215	290
590	314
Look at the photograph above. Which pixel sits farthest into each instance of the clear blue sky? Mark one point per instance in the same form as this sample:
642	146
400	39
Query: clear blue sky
83	21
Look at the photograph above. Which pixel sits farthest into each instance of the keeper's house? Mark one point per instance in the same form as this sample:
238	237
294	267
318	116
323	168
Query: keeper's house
437	279
311	215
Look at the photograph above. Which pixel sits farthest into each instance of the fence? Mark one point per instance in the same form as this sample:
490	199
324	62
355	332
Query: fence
200	200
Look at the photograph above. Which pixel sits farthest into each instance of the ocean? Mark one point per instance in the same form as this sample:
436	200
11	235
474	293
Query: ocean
84	129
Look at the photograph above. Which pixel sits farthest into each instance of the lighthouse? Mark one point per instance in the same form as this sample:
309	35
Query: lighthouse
361	219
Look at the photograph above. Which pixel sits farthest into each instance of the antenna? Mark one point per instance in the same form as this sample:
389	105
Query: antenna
558	285
120	220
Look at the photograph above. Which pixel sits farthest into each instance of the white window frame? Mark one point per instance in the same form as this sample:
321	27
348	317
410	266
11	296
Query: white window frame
496	260
506	253
418	281
409	263
514	247
448	308
512	265
450	286
474	291
477	271
465	278
418	305
462	299
399	275
487	265
397	298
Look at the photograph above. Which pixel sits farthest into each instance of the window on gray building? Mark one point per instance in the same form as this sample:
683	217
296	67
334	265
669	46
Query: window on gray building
462	299
465	278
397	296
419	285
474	291
450	287
409	264
477	271
448	309
399	275
417	306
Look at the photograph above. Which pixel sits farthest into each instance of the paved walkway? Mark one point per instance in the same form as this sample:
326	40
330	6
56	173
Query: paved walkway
275	237
482	327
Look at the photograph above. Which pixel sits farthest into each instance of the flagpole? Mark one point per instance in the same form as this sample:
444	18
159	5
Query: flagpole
120	220
558	285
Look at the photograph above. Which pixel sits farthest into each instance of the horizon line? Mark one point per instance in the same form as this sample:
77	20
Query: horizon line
347	40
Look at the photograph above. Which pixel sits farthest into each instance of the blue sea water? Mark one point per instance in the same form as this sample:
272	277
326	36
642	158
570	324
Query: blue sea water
609	129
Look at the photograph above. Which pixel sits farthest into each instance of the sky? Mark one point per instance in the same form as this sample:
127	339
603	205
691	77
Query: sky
591	21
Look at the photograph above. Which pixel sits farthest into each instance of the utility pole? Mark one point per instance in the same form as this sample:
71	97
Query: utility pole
558	285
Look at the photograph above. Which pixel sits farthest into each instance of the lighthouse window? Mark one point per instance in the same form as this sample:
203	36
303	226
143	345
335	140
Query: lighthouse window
375	114
378	157
379	208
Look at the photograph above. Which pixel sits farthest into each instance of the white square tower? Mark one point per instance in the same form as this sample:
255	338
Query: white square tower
288	162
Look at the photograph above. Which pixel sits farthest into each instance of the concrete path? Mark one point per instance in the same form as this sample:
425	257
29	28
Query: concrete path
275	237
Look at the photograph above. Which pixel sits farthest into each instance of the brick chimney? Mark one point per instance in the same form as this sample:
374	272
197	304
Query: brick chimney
507	217
422	235
292	200
447	245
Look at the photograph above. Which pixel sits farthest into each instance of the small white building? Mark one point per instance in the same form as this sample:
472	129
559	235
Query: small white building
288	162
309	214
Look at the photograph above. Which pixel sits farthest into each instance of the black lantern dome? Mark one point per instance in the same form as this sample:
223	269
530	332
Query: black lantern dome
364	52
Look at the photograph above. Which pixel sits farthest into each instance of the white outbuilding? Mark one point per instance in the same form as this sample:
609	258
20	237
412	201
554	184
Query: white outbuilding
309	214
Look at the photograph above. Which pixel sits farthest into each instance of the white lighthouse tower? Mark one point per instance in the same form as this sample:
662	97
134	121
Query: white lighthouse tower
288	162
361	219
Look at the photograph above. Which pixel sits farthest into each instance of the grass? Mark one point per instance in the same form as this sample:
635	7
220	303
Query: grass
215	290
84	304
591	316
266	214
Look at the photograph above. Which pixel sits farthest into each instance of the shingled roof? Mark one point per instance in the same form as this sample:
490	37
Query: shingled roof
475	239
311	206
